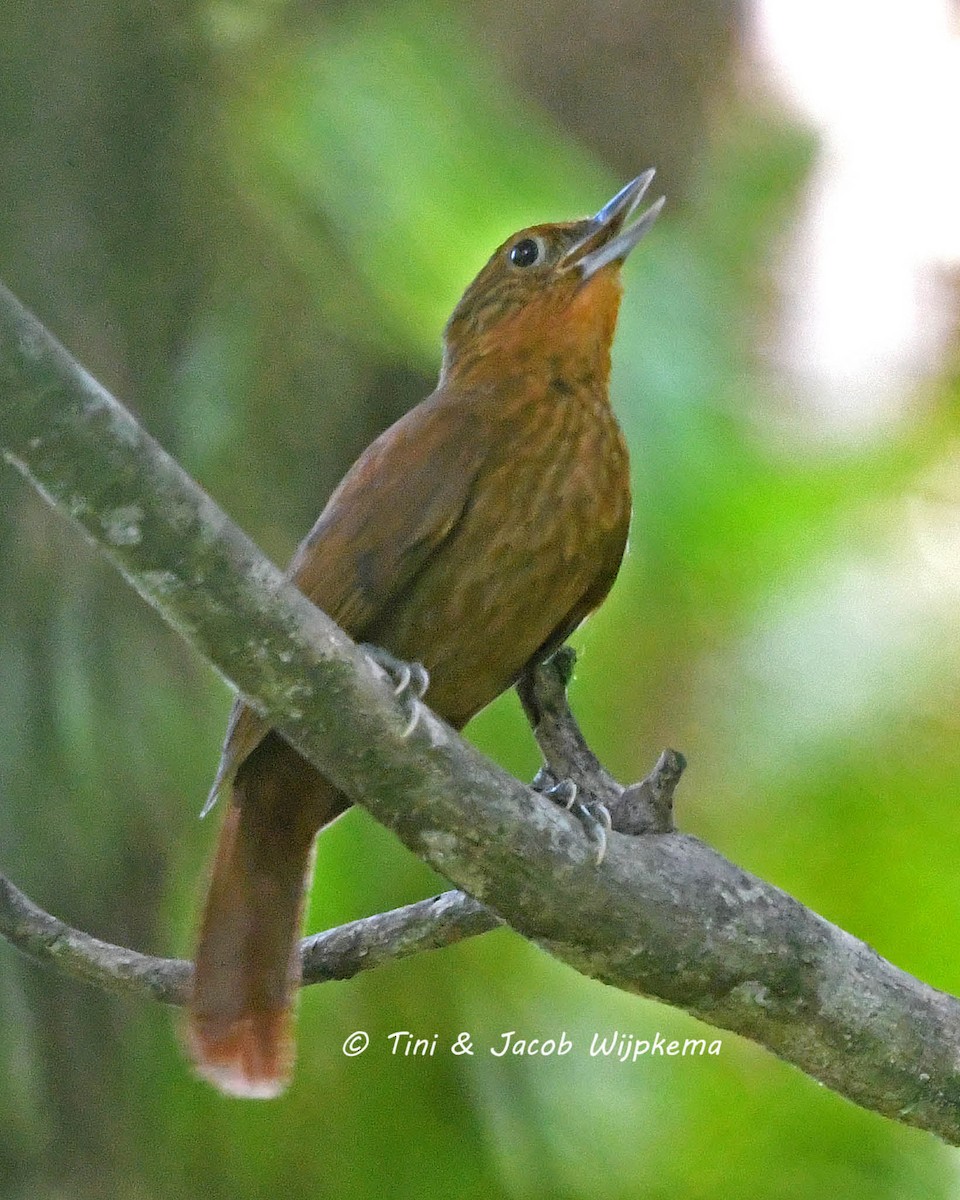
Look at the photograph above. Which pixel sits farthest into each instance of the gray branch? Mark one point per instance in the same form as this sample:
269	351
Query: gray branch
337	953
664	916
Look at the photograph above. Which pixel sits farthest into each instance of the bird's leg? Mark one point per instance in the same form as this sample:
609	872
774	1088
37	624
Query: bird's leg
410	680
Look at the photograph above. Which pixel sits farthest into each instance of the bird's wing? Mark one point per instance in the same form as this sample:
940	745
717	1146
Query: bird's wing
396	505
400	500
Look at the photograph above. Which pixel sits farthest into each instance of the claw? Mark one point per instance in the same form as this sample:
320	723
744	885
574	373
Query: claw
412	676
410	681
414	718
592	815
419	680
563	793
595	819
401	678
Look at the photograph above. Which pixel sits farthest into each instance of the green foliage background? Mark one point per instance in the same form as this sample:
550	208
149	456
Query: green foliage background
250	219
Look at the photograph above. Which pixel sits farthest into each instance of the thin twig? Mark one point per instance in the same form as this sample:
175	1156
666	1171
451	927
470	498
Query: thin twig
338	953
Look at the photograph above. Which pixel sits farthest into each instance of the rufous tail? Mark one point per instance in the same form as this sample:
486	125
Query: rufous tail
247	967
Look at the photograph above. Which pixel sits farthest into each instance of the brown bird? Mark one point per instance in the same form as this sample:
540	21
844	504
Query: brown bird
473	536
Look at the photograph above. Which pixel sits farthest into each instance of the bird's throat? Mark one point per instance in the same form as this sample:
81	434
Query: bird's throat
559	340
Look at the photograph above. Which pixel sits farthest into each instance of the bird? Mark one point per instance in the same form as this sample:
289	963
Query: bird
472	537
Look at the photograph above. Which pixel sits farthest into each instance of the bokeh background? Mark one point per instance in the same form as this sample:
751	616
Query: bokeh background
249	219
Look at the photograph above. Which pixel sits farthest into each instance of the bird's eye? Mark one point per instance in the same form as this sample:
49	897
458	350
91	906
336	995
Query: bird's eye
526	252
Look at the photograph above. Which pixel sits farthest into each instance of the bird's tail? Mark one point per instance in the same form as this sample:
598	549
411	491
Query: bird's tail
240	1014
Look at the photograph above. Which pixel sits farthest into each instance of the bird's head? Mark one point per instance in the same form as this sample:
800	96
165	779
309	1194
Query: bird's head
548	293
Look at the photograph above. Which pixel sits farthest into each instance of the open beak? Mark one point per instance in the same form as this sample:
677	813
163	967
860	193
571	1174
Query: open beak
610	238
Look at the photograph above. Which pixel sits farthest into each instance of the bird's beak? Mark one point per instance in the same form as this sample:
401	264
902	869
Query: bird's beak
609	238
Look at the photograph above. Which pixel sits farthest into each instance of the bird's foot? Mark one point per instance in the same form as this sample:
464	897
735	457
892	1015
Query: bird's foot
410	681
592	815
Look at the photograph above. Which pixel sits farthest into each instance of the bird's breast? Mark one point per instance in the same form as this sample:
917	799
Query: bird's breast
543	532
